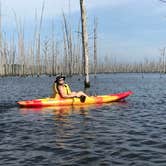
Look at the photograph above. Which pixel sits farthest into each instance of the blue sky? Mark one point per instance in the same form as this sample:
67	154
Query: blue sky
128	30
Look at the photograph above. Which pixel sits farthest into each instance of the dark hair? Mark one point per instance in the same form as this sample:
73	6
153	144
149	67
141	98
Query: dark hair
59	77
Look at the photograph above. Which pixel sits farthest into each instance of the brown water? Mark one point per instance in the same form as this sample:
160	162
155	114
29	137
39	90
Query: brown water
125	133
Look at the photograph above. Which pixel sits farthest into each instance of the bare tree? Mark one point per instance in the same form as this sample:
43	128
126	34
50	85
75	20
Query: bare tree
39	41
95	46
163	60
85	44
68	37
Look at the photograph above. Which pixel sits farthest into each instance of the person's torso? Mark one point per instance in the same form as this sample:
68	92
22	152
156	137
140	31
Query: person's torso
66	89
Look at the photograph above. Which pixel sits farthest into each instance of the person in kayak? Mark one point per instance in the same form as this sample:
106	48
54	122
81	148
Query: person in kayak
61	88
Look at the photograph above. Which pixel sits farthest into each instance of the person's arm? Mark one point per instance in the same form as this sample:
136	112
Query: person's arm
62	93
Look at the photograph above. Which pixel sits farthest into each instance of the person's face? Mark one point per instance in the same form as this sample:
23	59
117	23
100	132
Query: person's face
61	81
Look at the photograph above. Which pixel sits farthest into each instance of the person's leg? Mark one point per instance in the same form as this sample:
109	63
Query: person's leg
73	93
80	93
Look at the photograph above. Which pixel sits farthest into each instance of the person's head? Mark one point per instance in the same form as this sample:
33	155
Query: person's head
60	79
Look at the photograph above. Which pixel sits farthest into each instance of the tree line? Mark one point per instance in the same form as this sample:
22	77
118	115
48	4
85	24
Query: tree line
50	56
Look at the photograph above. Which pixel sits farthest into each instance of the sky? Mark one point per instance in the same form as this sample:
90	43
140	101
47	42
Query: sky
128	30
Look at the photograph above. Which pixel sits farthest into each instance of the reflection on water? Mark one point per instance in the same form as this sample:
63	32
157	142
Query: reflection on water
75	131
58	110
62	111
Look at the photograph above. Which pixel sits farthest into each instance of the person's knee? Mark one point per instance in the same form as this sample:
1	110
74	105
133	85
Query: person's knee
73	93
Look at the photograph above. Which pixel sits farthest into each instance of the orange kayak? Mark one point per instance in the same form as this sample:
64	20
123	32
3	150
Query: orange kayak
46	102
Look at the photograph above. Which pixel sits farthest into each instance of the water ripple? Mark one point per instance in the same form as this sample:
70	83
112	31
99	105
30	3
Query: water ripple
127	133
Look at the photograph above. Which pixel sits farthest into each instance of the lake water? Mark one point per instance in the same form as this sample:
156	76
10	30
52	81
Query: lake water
130	133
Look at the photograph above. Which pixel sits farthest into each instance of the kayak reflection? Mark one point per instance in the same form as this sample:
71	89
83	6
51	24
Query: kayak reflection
59	110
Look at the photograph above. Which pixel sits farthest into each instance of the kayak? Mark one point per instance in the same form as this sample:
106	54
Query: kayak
46	102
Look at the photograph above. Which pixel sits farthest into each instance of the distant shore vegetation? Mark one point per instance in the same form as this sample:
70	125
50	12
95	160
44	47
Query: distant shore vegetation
50	56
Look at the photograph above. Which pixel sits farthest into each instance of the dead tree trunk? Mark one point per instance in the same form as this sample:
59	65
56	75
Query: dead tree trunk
163	56
38	56
53	51
95	47
68	37
164	61
85	44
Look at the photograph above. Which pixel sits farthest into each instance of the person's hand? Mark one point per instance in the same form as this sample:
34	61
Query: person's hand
77	95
